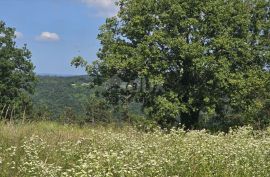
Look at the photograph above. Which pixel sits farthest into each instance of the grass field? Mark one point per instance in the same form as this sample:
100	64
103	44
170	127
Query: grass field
49	149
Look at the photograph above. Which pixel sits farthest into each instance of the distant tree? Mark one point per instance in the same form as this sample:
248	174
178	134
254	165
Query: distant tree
41	112
68	116
97	110
17	78
194	56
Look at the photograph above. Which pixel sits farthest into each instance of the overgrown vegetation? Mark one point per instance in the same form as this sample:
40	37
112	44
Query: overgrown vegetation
49	149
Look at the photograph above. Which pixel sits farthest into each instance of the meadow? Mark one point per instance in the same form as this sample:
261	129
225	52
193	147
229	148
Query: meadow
50	149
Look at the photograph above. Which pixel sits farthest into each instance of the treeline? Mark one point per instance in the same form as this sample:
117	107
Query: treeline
202	64
72	100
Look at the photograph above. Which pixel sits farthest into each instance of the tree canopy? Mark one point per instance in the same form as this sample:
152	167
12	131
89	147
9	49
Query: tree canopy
17	78
194	57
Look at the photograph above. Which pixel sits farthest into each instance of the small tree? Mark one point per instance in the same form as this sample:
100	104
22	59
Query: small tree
68	116
97	110
17	78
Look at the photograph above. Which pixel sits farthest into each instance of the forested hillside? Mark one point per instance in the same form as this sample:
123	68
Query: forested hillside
55	93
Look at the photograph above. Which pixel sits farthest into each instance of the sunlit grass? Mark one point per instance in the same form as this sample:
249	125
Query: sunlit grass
51	149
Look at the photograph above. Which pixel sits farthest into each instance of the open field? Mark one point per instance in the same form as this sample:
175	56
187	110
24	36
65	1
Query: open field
49	149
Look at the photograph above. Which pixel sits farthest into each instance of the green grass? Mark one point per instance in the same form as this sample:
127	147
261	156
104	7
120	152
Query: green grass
49	149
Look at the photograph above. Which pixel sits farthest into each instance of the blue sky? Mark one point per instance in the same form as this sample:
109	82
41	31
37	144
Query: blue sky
57	30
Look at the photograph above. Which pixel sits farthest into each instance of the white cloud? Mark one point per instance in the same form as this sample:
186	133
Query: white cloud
18	34
48	36
104	7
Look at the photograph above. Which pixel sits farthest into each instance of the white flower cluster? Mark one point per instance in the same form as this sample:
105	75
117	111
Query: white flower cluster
127	152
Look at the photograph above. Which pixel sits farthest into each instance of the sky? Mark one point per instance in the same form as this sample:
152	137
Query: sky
55	31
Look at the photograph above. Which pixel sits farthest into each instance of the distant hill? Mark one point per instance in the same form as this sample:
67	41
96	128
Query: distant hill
55	93
58	92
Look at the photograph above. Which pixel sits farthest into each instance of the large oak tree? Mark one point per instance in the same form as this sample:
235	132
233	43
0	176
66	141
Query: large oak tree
204	56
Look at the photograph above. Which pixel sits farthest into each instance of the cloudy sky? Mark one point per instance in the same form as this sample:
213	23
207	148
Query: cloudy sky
57	30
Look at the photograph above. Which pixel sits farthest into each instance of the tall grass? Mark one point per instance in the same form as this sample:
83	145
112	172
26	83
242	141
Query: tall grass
49	149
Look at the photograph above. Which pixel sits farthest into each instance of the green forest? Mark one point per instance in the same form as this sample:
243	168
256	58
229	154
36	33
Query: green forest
53	94
179	88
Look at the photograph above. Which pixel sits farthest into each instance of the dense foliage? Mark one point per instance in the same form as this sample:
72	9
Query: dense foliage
47	149
71	99
17	76
54	94
192	58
